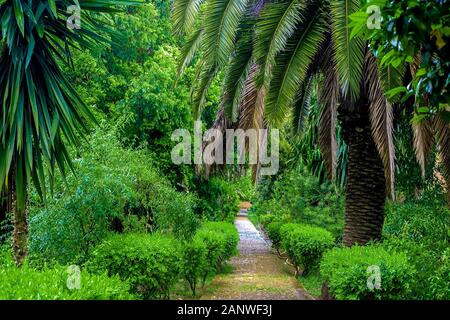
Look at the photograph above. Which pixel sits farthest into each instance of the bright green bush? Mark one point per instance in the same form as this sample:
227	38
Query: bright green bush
151	263
347	272
195	264
26	283
273	231
305	244
215	245
231	237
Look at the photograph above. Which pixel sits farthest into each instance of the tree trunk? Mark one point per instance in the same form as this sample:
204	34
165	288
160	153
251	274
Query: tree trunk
20	219
366	184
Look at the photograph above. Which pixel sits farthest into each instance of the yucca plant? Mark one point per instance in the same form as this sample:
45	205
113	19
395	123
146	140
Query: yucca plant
41	114
290	43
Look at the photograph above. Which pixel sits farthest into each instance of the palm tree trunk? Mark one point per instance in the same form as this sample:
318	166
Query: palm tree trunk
366	185
20	219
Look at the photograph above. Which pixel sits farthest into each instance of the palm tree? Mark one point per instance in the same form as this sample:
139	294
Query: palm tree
293	44
40	114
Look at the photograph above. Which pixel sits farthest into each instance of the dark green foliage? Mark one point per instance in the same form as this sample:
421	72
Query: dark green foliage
151	263
218	200
26	283
420	230
105	196
305	244
300	197
346	271
409	28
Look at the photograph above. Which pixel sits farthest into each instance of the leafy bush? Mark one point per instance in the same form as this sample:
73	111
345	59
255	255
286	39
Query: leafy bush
440	286
215	245
420	230
300	197
231	237
428	261
273	231
218	200
195	266
417	221
106	196
151	263
347	272
26	283
305	244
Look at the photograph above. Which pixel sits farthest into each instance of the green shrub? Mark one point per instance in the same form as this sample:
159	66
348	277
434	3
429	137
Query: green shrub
218	200
215	245
305	244
26	283
427	222
266	219
439	284
231	237
273	231
195	264
428	261
151	263
299	196
347	272
107	196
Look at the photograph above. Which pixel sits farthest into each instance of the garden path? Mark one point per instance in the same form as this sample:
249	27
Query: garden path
258	273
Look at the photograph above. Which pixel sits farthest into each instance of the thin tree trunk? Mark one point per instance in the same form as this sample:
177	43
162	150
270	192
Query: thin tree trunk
366	184
20	220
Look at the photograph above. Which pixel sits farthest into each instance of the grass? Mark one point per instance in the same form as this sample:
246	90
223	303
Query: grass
312	283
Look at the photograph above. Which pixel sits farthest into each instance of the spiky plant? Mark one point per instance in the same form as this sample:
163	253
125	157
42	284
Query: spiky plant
291	43
41	114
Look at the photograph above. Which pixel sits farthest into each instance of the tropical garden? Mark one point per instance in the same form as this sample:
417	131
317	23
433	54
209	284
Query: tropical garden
92	205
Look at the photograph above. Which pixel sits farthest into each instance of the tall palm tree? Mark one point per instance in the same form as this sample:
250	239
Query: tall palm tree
40	114
291	44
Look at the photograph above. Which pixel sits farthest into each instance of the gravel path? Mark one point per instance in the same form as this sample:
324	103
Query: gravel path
257	273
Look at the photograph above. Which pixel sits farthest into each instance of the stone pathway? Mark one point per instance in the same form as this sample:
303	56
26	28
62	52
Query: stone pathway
257	273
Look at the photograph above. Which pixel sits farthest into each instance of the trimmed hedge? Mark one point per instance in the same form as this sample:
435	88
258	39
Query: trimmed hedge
273	231
151	263
231	236
305	244
195	264
220	240
26	283
347	272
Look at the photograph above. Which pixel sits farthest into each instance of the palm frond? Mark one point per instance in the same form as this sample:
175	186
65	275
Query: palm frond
442	133
184	14
381	119
292	66
423	141
40	112
189	50
237	72
349	52
329	99
221	27
277	22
